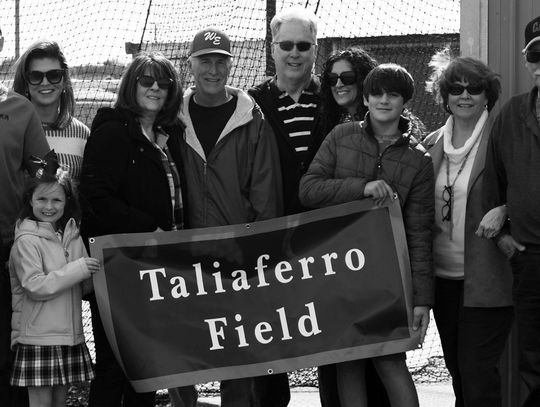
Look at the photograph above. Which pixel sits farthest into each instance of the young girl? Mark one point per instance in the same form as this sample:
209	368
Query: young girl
48	264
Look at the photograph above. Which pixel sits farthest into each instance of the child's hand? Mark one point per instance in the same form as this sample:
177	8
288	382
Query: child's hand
379	190
92	264
421	320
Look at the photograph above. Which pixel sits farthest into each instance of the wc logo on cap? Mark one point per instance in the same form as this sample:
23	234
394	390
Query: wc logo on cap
212	36
210	41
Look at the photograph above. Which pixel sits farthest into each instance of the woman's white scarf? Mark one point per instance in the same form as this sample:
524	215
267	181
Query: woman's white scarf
456	155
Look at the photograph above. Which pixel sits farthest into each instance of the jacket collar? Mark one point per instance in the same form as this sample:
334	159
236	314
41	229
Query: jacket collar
435	144
404	127
242	115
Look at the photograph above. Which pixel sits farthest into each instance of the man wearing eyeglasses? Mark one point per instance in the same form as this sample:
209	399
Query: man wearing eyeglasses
290	103
290	100
20	137
511	179
230	159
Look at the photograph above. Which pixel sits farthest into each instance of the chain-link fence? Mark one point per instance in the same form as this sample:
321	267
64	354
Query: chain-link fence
100	36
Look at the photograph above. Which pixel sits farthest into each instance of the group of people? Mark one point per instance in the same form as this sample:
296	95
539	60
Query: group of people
165	159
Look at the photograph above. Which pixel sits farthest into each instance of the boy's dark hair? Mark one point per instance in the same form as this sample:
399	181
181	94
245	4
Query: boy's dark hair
389	78
72	208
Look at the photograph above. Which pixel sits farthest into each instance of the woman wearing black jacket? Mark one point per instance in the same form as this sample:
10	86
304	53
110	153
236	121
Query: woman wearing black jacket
131	183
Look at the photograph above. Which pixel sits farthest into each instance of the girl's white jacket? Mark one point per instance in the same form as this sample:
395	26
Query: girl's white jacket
46	275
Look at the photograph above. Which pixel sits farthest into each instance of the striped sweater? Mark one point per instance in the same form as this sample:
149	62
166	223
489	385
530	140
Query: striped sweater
69	143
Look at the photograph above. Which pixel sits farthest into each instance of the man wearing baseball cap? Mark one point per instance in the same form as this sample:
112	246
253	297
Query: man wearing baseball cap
20	137
229	156
511	181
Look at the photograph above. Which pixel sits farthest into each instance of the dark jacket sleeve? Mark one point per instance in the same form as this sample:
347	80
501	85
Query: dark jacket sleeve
319	187
494	183
105	173
418	218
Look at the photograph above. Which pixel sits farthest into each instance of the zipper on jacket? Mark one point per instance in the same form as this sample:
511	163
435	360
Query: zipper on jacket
205	194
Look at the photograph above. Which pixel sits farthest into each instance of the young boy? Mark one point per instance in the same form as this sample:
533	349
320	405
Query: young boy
379	158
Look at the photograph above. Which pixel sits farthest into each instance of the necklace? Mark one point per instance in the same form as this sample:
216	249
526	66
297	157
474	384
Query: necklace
448	191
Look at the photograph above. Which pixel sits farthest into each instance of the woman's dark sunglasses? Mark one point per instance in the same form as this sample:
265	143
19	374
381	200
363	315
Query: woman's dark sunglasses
532	56
347	78
457	90
302	46
54	76
147	81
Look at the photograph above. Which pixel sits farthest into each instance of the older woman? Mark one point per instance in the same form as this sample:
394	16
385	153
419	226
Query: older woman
130	183
473	281
42	76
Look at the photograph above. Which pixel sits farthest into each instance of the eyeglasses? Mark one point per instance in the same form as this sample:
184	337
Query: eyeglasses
302	46
446	210
54	76
532	56
147	81
347	78
457	90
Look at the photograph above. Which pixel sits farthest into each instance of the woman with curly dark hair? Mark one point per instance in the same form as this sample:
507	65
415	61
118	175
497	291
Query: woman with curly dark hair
341	86
473	280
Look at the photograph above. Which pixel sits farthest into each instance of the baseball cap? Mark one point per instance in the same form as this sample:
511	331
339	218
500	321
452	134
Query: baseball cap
532	33
210	41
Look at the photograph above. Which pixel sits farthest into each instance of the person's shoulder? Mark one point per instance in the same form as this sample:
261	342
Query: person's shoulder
76	123
110	117
262	87
344	131
515	102
16	101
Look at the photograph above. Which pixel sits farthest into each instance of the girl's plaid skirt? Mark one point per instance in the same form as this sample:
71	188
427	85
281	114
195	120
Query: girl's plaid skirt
55	365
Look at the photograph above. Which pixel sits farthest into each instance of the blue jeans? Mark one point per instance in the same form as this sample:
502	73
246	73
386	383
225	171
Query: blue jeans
473	339
526	294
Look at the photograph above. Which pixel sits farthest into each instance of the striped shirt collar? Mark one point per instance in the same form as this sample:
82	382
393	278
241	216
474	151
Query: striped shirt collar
312	88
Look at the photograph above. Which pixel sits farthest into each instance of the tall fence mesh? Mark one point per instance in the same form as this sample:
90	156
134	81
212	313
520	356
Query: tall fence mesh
99	37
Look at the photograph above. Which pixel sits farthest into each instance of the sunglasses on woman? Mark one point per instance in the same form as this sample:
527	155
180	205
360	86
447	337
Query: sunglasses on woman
347	78
457	90
147	81
301	46
532	56
54	76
